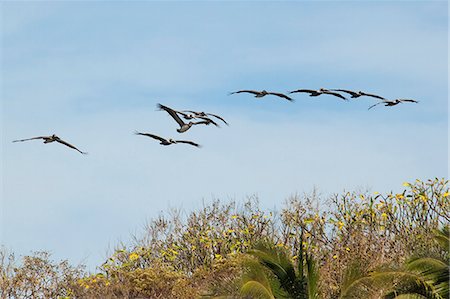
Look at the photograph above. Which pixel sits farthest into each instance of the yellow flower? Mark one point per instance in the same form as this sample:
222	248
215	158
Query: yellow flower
406	184
133	256
307	235
218	256
234	217
446	194
346	248
376	193
335	256
86	287
384	216
230	231
280	245
340	225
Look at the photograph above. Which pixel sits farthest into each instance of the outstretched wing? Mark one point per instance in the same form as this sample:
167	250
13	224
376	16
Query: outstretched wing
372	95
151	136
304	90
188	142
248	91
172	113
39	137
209	121
193	112
205	121
380	102
281	95
335	94
350	92
408	100
70	145
216	116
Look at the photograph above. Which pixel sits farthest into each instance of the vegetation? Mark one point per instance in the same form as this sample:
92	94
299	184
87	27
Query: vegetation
348	248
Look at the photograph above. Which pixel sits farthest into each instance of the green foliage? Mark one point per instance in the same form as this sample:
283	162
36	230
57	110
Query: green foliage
287	281
203	253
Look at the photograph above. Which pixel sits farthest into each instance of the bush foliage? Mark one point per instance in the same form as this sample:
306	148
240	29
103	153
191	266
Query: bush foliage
203	253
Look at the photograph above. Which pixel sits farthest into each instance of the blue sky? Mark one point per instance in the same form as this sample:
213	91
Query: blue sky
92	73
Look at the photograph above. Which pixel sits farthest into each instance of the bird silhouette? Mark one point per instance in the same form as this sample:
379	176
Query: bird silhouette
357	94
183	126
388	103
164	141
263	93
321	91
50	139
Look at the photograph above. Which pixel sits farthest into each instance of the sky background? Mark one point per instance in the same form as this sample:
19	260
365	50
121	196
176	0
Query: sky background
93	72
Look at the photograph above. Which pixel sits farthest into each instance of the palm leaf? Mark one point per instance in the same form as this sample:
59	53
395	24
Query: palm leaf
256	290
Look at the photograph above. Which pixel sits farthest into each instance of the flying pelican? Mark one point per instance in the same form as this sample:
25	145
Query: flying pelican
183	126
357	94
260	94
392	102
167	141
189	116
204	115
315	93
49	139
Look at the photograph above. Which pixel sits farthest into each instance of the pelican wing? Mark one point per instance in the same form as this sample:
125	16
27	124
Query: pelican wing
172	113
193	112
304	90
70	145
248	91
188	142
151	136
205	121
335	94
372	95
380	102
216	116
281	95
39	137
352	93
408	100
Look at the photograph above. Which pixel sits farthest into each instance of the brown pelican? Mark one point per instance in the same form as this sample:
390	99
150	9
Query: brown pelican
315	93
392	102
260	94
206	119
53	138
357	94
183	126
204	115
166	141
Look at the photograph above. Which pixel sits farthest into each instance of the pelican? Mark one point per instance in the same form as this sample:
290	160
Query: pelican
260	94
52	138
392	102
166	141
315	93
183	126
357	94
205	119
203	115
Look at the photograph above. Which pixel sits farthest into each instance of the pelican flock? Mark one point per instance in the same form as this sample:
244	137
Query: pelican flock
205	118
